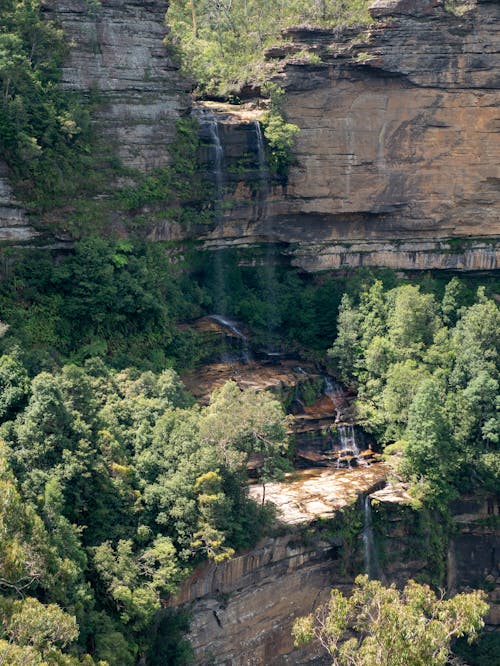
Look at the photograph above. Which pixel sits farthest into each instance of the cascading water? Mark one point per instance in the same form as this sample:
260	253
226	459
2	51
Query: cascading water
208	122
348	439
261	214
210	127
232	326
370	553
228	323
333	391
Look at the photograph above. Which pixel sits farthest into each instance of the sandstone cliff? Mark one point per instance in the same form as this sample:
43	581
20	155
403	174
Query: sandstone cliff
398	155
117	51
243	610
397	162
117	54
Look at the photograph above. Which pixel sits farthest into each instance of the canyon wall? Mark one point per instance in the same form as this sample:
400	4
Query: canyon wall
117	52
242	610
397	160
117	56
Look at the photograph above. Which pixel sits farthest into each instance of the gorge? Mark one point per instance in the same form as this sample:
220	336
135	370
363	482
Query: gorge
236	373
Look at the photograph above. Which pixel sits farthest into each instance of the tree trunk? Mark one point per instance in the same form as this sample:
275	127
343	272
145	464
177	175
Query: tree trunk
195	20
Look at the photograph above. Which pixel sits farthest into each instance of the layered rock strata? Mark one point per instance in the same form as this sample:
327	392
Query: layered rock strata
117	53
243	610
397	161
14	225
117	57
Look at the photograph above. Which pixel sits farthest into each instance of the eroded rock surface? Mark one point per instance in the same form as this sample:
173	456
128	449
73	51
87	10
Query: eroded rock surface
398	154
117	52
14	224
311	494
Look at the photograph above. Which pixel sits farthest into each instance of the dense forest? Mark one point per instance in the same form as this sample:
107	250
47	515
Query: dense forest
115	483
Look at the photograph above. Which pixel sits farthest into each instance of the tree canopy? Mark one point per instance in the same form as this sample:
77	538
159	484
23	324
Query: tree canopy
386	626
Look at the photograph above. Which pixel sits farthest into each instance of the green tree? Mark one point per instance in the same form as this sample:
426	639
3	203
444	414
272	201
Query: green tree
36	634
14	385
431	452
382	625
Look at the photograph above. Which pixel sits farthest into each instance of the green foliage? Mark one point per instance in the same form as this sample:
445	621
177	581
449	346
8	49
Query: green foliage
106	298
280	135
113	486
180	187
33	633
459	7
427	375
45	133
222	44
484	652
413	627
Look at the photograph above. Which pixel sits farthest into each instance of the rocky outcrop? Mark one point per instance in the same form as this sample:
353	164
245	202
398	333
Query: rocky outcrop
242	610
118	55
397	158
117	59
14	225
473	556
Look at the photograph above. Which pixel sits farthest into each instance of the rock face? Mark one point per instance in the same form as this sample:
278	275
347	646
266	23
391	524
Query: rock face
14	225
397	158
117	52
242	610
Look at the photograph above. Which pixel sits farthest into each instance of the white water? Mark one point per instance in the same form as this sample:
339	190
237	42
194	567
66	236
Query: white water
370	553
261	153
333	391
245	354
208	120
229	324
348	439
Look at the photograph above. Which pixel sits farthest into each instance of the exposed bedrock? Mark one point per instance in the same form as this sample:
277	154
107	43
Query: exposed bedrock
242	610
116	55
14	224
399	147
117	51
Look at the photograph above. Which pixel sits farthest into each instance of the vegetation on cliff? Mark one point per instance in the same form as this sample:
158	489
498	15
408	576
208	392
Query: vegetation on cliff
125	484
381	625
222	44
45	132
427	376
114	484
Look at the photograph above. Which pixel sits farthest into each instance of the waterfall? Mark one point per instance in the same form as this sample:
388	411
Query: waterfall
228	323
261	153
210	127
246	355
263	177
348	439
370	553
261	214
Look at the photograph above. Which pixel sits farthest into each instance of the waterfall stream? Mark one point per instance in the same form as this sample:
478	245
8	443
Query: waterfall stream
370	553
348	439
209	122
263	182
232	326
210	126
